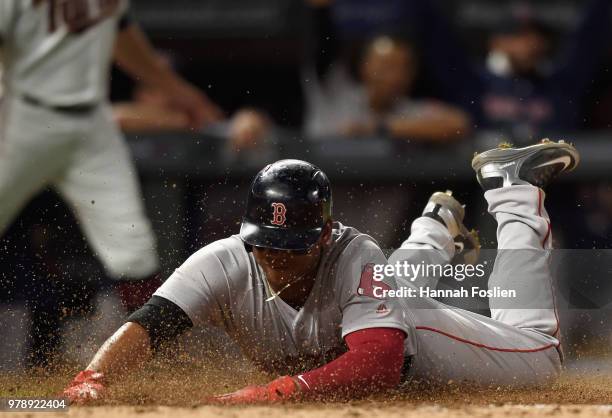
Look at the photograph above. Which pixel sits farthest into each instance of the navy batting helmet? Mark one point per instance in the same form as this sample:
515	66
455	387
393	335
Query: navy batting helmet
289	203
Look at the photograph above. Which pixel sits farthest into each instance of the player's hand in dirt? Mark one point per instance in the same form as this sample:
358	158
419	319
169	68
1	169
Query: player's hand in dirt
87	386
282	389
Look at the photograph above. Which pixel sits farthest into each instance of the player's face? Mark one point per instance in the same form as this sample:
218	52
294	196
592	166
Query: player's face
387	71
284	266
291	263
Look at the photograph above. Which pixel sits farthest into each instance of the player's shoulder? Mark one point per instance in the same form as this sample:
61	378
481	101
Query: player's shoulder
351	252
348	235
350	243
232	246
226	255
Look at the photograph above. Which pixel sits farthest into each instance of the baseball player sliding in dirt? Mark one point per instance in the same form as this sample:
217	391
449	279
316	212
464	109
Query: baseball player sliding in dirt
296	292
56	126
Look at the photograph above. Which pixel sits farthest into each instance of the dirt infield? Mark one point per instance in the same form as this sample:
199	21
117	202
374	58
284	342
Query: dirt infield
373	410
174	389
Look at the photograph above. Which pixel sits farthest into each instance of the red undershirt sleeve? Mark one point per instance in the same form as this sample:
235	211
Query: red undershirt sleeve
372	364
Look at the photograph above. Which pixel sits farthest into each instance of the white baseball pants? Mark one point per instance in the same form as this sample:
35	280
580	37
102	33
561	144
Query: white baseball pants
519	344
84	157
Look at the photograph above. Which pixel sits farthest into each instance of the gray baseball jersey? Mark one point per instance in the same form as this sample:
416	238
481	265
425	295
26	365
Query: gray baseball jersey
221	284
59	51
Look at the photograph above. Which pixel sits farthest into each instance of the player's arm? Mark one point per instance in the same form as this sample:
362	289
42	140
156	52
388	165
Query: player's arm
440	123
141	117
373	363
195	294
129	348
436	122
125	350
135	55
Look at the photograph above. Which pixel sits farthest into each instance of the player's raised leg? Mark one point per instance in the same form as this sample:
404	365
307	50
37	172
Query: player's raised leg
513	180
454	344
438	237
102	187
517	346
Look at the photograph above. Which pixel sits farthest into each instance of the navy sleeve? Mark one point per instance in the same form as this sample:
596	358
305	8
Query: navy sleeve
585	49
162	319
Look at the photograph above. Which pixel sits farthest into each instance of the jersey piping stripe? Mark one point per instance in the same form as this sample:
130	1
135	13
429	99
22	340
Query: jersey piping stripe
544	246
486	347
547	221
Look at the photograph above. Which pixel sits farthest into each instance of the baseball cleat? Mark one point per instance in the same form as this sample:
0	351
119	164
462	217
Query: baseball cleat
444	208
537	164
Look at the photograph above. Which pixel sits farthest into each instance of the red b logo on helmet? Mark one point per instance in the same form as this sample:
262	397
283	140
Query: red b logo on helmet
278	214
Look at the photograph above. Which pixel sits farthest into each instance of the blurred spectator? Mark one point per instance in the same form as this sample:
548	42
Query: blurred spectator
379	103
521	91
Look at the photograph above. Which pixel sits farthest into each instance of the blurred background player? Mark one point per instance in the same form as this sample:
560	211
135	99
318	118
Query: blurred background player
57	129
